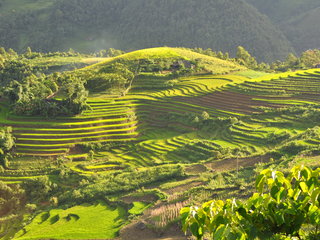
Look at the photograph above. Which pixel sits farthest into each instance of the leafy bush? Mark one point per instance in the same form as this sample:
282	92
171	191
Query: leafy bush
280	207
38	189
100	186
293	148
116	75
7	142
277	137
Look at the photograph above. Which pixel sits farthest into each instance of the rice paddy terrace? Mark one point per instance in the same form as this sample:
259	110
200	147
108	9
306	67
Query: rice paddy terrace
106	121
157	124
207	122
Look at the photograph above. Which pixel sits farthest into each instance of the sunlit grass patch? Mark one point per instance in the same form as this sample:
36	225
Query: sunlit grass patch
79	222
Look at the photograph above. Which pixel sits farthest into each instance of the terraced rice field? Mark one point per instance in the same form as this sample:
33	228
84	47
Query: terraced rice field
148	123
299	89
105	121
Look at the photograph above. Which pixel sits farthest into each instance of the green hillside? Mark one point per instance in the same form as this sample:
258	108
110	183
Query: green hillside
60	25
108	119
161	128
209	64
297	19
280	10
268	29
15	6
301	29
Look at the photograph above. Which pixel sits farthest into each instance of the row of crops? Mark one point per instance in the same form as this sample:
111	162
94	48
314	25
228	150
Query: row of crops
105	121
156	125
238	98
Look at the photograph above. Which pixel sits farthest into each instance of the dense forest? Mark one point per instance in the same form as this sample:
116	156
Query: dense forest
297	19
129	25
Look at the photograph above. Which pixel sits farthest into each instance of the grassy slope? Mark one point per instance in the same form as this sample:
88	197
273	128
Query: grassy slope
89	221
216	65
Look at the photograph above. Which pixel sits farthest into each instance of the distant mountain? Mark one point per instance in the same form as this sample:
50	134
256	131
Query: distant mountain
304	30
132	24
299	20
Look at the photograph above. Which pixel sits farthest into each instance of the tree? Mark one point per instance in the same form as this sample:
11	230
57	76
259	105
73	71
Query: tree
281	205
171	83
114	52
76	97
244	58
91	155
28	52
292	60
12	199
205	115
12	53
6	139
38	189
7	142
310	58
2	51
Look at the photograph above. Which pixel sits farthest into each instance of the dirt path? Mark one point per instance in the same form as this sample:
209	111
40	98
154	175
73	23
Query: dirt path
138	231
233	163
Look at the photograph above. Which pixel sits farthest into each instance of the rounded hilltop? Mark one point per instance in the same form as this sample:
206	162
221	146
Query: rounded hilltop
174	55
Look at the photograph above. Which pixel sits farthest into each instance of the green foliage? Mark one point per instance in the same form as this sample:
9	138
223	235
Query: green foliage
12	208
38	189
12	200
31	94
281	205
111	52
6	139
101	186
278	137
244	58
116	75
15	70
75	97
7	142
310	58
171	83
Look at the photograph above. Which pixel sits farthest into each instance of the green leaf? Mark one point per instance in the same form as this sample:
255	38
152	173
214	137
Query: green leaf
274	191
306	173
219	233
296	194
243	212
184	213
260	182
266	172
304	187
315	195
281	194
194	228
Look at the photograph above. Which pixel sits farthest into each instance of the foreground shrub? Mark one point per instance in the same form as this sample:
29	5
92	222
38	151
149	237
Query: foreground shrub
98	187
279	208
